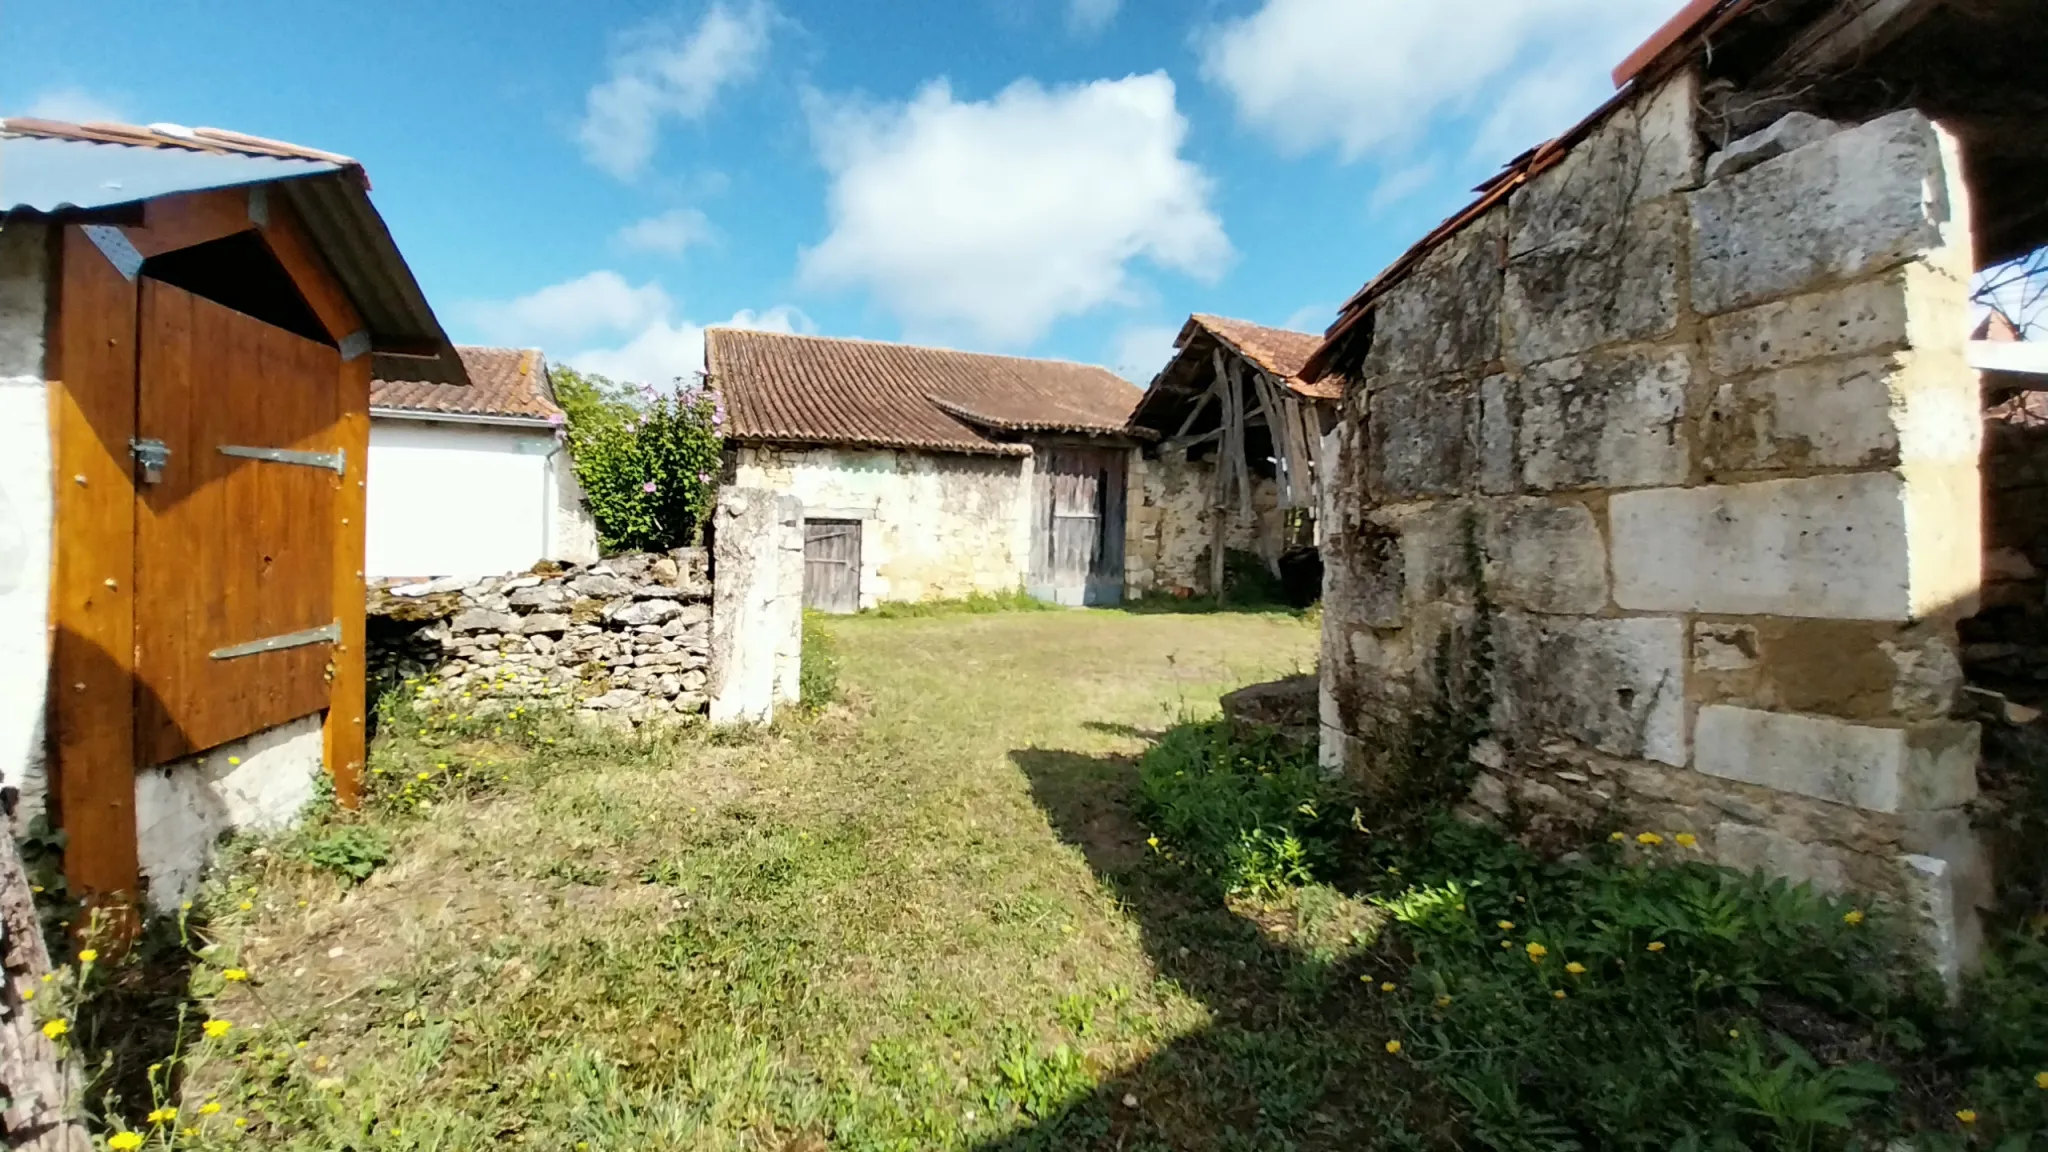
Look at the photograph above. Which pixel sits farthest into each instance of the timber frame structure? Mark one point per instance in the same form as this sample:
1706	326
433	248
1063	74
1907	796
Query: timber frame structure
1232	395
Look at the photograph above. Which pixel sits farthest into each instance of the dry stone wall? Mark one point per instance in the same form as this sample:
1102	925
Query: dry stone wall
1167	527
627	638
1690	465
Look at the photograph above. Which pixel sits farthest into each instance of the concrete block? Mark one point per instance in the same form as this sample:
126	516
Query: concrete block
1444	318
1606	420
1614	685
1921	768
259	783
1747	848
1854	203
1423	440
1545	556
1829	546
1793	131
1609	278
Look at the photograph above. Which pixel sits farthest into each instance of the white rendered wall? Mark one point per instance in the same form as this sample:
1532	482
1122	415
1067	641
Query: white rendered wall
450	499
25	513
259	783
934	526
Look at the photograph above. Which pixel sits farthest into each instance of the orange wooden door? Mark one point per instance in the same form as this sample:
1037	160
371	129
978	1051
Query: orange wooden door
235	535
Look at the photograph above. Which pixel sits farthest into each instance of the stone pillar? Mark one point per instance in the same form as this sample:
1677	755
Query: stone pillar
757	604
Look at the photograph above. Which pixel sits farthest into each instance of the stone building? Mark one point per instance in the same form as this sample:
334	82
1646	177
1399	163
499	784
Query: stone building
925	473
1666	455
1236	465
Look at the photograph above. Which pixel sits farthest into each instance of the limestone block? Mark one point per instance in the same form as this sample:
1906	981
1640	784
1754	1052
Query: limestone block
1609	279
1869	317
1500	418
1440	543
1835	414
1614	685
483	620
1854	203
1545	556
1747	848
1606	420
1793	131
647	613
1424	440
545	622
1723	647
1950	931
1921	768
1829	546
1444	318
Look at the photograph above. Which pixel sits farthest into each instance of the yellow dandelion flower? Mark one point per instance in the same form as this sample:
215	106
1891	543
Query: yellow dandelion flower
215	1029
1506	925
1655	946
210	1108
1388	986
236	975
1507	943
1686	840
88	955
1966	1116
56	1028
1649	839
1557	995
2041	1081
1152	841
1443	1001
27	994
1852	917
1618	837
1536	951
125	1141
245	905
426	775
1575	968
241	1121
1393	1047
163	1115
233	760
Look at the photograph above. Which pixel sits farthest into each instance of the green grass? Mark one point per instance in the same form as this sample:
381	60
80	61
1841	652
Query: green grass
974	604
922	918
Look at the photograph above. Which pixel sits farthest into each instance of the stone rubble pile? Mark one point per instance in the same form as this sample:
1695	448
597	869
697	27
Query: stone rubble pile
629	637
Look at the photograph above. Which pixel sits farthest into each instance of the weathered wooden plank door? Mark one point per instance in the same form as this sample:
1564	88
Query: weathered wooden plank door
1077	554
235	532
832	565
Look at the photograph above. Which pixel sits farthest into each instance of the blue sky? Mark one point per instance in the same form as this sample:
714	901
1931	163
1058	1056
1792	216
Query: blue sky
1064	178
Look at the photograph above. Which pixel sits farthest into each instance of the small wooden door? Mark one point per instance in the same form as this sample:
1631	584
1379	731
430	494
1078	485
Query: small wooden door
1077	552
235	533
832	565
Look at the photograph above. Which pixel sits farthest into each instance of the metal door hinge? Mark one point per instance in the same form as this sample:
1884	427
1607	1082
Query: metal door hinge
153	456
331	634
337	461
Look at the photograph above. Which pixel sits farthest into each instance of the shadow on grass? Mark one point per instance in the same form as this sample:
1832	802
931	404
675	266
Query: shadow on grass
1205	606
140	1013
1292	1057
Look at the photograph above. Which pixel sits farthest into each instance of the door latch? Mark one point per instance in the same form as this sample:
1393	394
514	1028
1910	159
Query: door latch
153	456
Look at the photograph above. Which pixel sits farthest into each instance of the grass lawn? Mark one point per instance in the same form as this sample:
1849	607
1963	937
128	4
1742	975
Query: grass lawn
923	919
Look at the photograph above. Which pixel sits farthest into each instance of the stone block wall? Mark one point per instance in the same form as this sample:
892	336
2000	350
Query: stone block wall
1167	527
1693	464
934	525
627	638
756	654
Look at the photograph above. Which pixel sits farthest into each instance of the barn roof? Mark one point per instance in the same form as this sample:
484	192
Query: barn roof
52	168
505	385
814	390
1278	352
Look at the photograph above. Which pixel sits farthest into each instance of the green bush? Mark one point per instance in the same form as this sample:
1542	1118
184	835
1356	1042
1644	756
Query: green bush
353	851
818	680
648	461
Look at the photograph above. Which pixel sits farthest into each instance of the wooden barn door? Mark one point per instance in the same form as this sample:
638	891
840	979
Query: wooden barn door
236	525
832	565
1077	554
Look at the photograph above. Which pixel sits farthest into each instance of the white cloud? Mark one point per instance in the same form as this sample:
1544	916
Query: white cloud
1311	318
666	352
1369	75
74	105
668	234
1087	17
1402	184
997	218
660	72
572	310
1142	350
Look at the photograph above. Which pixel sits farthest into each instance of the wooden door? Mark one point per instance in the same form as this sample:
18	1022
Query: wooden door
1078	535
235	534
832	565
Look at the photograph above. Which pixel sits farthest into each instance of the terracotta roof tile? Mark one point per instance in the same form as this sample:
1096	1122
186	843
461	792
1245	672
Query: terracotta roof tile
215	140
1277	350
505	382
814	390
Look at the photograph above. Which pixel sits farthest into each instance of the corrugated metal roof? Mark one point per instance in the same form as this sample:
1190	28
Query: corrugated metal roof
51	168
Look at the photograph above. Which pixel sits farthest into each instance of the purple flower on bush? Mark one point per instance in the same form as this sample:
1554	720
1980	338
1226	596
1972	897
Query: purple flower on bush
703	477
557	419
648	487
